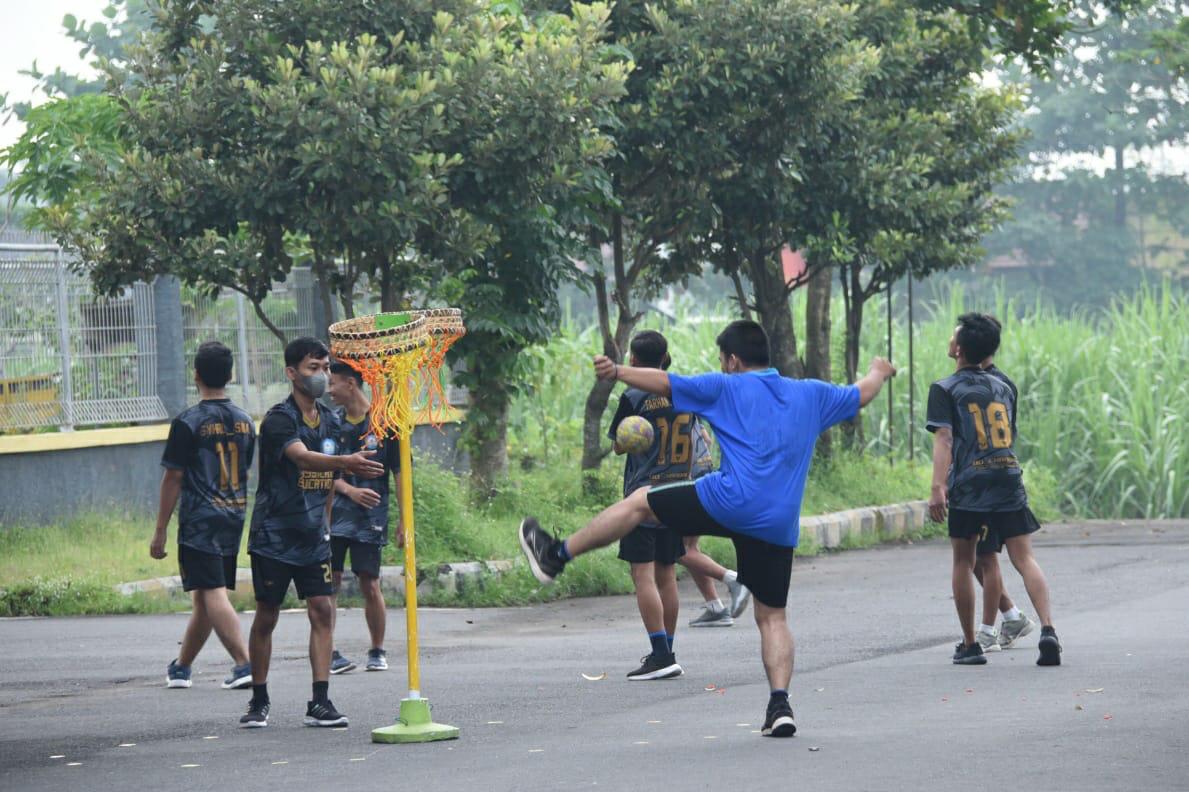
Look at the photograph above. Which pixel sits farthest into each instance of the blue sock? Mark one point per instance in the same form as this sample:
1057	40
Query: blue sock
669	640
563	552
660	643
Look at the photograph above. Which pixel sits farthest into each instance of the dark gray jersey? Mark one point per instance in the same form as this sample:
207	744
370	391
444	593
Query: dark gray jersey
350	520
213	443
289	520
680	448
979	407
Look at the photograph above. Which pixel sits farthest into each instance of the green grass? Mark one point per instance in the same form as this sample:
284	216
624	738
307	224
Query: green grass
69	568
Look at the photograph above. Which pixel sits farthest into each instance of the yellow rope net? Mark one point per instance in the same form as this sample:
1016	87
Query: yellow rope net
400	356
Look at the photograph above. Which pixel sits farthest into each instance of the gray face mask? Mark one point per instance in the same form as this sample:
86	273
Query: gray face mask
314	385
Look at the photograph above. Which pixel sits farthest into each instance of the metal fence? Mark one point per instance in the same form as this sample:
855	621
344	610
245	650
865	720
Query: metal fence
258	379
68	358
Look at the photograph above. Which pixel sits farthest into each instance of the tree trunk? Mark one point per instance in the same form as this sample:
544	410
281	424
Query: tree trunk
1120	192
614	344
740	295
389	294
853	297
772	304
817	337
487	422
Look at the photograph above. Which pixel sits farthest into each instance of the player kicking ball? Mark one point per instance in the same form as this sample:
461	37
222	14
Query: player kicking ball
670	446
290	536
359	521
978	484
206	463
766	426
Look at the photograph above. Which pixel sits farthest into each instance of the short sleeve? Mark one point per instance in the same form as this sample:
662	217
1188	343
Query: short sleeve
622	411
940	410
696	394
179	446
834	402
277	432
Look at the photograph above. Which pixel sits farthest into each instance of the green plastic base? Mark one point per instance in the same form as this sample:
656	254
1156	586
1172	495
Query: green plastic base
414	726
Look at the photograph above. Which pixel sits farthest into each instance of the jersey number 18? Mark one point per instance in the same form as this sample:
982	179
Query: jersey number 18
1000	425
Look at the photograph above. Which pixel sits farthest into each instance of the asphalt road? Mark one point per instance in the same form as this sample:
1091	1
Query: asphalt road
878	704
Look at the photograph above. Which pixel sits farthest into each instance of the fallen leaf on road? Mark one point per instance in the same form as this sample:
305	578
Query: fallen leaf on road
1108	717
945	699
590	678
1078	707
814	748
969	690
711	688
819	690
1095	690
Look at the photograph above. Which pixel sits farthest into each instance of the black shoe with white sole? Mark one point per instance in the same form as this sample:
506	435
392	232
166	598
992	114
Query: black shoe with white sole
656	667
779	720
1050	648
256	716
969	654
323	713
541	550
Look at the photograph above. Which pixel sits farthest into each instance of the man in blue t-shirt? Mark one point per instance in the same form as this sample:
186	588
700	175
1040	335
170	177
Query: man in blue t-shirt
766	426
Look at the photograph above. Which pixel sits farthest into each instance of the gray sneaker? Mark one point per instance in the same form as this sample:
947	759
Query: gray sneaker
340	664
377	660
709	618
1014	629
740	598
988	641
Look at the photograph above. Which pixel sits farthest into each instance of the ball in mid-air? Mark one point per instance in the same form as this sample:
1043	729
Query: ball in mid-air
634	434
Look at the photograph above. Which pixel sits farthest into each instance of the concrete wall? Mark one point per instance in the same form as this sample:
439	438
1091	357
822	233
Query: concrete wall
46	479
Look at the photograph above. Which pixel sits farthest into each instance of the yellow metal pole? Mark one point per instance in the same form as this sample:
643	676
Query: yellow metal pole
406	526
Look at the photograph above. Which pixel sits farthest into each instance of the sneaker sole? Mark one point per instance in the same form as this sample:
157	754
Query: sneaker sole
238	684
737	611
782	727
980	660
1050	654
343	670
668	672
532	559
324	723
376	668
254	725
992	648
178	684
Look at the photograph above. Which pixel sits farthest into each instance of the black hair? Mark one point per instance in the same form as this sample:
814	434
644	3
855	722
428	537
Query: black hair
301	348
344	370
745	340
998	328
651	349
213	364
977	337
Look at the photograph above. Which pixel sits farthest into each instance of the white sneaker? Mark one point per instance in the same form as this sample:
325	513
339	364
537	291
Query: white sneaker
710	618
740	598
988	641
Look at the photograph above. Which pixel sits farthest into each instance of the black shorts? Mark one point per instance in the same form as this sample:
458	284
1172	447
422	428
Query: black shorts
270	579
991	528
765	568
203	571
651	543
365	556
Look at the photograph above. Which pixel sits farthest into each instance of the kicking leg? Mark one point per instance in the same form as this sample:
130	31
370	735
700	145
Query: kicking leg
547	557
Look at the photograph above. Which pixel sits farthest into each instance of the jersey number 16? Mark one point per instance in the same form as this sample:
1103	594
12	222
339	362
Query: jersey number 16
675	442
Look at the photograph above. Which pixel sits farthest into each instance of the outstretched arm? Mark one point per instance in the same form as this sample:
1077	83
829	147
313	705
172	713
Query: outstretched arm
871	384
646	379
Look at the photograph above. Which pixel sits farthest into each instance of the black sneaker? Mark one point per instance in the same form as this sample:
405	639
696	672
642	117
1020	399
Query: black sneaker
1050	648
541	550
256	716
969	654
656	667
779	721
323	713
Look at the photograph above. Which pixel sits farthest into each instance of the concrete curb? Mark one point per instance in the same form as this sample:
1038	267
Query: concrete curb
829	531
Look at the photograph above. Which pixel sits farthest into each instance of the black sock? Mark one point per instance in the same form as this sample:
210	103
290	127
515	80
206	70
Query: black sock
1048	630
660	643
778	697
260	692
321	691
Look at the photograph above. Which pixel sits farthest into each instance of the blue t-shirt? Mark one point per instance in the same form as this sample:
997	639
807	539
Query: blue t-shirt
766	425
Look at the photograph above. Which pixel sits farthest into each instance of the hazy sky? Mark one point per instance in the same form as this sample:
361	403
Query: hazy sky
32	30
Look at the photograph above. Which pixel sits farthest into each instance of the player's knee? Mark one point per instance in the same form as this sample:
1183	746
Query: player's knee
320	611
369	586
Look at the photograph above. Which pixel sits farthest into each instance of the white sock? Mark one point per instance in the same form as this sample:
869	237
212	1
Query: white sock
989	629
730	576
715	605
1012	615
